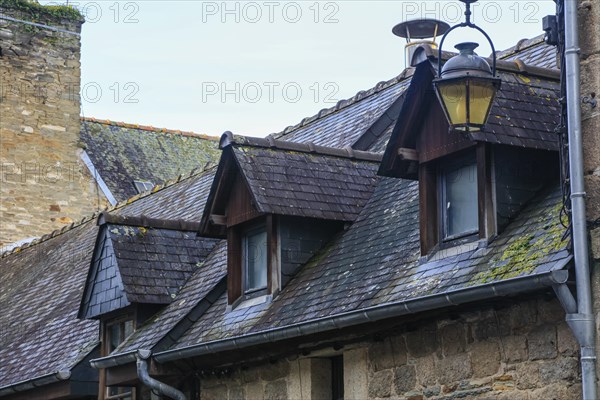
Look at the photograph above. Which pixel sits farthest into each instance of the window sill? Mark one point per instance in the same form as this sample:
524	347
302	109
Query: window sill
447	252
245	302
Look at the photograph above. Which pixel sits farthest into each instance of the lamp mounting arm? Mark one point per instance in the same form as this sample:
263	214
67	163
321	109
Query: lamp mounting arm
467	24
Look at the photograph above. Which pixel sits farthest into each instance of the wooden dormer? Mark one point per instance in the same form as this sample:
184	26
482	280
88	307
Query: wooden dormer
471	184
278	203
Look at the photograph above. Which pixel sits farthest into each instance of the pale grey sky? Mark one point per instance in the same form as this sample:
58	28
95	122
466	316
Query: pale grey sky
255	67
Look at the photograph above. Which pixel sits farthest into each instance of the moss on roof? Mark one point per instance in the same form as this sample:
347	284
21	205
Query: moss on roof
124	153
37	12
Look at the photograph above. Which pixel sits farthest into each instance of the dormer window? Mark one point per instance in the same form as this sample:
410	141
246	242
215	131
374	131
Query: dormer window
117	331
143	186
278	203
255	261
458	181
472	183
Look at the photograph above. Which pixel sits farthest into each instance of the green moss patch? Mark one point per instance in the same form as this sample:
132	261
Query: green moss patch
37	13
526	252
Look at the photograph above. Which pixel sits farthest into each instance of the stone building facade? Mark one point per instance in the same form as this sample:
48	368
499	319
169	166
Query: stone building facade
516	352
44	184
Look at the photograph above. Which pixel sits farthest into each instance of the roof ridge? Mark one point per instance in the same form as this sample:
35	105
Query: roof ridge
521	45
277	144
149	222
362	94
96	214
150	128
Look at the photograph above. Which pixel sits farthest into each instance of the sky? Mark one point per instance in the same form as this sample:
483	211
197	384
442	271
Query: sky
255	67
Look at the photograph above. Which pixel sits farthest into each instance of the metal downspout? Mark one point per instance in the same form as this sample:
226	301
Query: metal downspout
162	388
582	323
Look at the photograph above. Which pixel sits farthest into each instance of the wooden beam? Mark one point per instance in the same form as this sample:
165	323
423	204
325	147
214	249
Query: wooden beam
220	220
408	154
485	198
428	207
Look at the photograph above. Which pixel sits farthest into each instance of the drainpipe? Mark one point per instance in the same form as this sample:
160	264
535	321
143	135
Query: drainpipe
582	323
161	388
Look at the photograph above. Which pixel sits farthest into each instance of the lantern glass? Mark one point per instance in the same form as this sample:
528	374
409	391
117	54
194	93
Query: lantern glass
467	101
481	96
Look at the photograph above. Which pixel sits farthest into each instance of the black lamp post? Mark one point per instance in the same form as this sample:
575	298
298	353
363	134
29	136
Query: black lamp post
466	85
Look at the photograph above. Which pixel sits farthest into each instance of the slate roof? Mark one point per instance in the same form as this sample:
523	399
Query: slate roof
39	298
387	266
531	51
525	113
369	110
377	261
155	263
122	153
303	180
51	338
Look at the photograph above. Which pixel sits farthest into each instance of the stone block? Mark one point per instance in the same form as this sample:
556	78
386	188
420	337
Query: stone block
485	358
592	188
489	327
542	342
453	368
566	342
273	371
453	338
550	311
356	368
422	342
380	384
426	373
255	391
527	375
588	17
218	392
517	317
236	392
387	354
276	390
556	391
595	243
405	379
560	369
515	348
250	375
590	126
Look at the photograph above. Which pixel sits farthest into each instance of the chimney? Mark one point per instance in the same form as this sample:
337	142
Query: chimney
419	32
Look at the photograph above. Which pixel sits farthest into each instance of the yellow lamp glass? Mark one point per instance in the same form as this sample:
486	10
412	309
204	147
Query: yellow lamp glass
466	101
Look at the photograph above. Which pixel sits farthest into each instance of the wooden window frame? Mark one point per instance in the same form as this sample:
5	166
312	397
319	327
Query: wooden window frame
252	292
431	202
104	347
444	239
236	266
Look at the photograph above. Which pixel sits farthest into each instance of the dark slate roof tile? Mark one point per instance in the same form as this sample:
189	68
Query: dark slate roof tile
123	153
312	185
155	275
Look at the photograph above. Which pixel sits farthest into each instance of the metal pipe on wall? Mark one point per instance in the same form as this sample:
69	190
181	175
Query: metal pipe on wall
581	323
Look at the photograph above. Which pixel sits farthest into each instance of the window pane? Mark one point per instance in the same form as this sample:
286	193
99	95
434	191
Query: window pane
256	260
115	337
461	200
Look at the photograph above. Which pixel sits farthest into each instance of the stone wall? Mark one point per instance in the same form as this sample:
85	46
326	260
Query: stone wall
524	351
44	185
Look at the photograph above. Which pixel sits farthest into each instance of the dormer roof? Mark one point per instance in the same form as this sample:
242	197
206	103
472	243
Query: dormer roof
293	179
525	113
140	260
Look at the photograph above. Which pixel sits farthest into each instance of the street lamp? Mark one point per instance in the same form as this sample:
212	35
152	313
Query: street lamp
466	86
